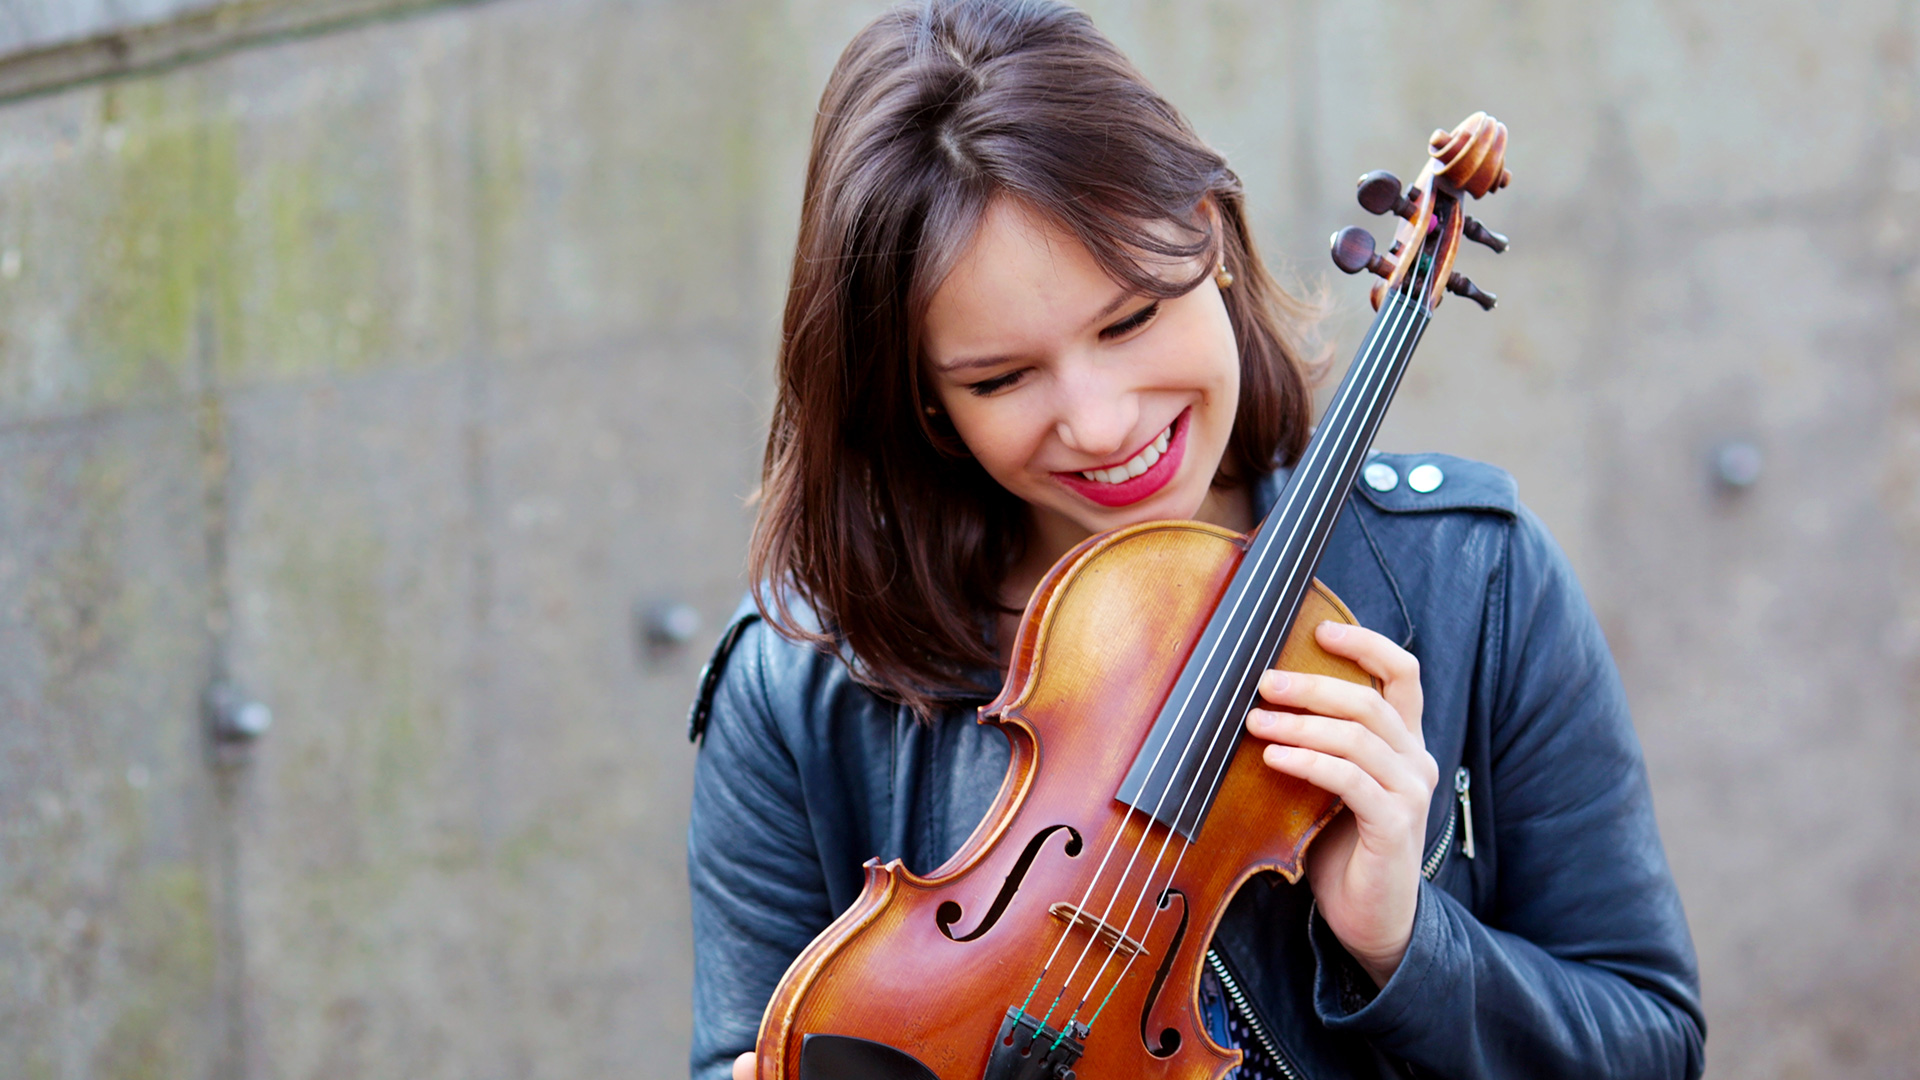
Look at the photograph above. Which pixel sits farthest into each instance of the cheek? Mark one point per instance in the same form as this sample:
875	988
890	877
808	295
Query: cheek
1225	355
1227	346
998	436
1207	357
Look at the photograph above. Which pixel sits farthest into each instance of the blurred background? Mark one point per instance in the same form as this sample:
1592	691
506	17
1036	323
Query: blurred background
395	371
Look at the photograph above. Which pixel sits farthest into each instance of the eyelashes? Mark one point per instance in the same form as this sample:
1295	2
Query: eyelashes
1131	324
998	382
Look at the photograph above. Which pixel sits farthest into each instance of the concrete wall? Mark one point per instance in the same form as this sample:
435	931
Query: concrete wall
40	24
387	372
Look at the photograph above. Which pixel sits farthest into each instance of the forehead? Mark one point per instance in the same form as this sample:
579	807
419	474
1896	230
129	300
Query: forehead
1021	283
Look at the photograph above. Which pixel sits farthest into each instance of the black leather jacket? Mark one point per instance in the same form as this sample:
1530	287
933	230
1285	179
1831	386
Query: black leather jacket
1557	949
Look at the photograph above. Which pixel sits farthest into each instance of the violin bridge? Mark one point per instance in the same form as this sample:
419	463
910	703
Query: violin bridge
1072	915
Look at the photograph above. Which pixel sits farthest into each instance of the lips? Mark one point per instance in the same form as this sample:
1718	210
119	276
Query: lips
1136	488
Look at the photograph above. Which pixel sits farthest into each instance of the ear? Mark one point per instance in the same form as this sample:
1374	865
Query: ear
935	423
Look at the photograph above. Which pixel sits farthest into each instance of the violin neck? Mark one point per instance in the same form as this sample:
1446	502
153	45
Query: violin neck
1175	776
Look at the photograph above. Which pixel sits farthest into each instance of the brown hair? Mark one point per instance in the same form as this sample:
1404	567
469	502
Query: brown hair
871	513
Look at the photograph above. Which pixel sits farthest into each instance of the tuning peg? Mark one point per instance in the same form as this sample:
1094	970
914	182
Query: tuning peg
1480	234
1458	285
1353	252
1380	192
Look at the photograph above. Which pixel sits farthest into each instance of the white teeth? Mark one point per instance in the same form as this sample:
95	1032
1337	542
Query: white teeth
1139	463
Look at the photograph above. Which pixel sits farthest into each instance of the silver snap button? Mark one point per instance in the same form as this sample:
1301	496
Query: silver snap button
1380	476
1425	478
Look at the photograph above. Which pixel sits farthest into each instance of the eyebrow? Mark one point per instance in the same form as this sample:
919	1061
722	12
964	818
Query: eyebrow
973	362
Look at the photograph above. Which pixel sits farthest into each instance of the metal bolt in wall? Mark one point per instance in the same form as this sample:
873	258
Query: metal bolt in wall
667	627
232	717
1737	464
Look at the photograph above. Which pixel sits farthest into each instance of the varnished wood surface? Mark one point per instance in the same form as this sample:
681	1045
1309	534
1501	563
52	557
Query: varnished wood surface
1470	160
1100	646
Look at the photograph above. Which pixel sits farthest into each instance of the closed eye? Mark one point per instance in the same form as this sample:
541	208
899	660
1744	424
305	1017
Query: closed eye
999	382
1131	323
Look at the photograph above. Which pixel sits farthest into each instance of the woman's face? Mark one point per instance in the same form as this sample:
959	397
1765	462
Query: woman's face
1096	406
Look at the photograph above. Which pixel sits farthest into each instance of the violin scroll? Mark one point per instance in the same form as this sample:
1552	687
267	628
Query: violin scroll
1469	160
1473	156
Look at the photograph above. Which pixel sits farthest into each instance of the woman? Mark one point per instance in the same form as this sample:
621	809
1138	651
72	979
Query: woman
1026	308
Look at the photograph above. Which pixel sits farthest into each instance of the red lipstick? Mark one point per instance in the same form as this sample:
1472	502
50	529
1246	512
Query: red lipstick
1148	483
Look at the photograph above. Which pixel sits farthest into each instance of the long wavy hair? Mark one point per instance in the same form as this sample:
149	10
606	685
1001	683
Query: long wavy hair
872	515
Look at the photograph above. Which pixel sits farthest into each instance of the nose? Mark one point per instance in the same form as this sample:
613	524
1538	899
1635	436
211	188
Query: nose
1095	414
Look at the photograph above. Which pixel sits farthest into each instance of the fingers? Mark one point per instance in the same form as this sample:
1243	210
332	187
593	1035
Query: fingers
1375	809
743	1066
1362	744
1397	670
1328	696
1351	744
1395	667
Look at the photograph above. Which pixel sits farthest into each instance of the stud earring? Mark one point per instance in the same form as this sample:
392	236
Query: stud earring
933	410
1223	277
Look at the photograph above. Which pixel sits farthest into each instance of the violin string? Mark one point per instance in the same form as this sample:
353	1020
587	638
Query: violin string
1408	321
1396	323
1316	469
1383	371
1381	328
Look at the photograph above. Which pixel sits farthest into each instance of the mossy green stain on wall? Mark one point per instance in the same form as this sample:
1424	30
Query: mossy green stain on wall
157	250
164	938
314	296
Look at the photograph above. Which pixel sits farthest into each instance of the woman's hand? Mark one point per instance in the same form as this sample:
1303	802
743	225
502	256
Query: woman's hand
743	1066
1364	746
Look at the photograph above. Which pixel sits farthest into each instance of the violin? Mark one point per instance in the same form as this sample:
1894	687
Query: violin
1069	932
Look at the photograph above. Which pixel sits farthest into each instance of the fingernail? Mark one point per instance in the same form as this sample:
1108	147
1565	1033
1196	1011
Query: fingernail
1276	752
1333	631
1277	682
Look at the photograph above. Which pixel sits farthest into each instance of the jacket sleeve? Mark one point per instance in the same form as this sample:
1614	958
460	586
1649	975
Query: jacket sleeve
1582	964
759	891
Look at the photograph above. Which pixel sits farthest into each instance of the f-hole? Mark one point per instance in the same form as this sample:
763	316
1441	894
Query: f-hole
1169	1038
949	912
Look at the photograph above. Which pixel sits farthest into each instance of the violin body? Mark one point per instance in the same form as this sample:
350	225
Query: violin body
931	965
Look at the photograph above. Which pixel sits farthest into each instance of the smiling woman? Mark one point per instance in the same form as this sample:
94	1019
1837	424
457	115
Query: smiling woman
1094	405
957	196
1026	310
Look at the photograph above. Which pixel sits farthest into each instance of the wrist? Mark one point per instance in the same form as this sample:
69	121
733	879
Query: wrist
1366	988
1380	968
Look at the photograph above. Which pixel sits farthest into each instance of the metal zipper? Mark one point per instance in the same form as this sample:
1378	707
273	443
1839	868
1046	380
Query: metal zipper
1460	807
1463	787
1249	1017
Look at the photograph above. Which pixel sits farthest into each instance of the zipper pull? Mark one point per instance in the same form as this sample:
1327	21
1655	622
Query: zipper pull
1463	790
